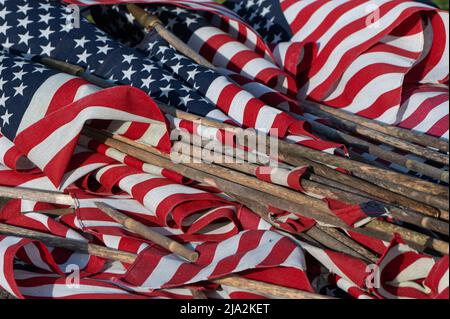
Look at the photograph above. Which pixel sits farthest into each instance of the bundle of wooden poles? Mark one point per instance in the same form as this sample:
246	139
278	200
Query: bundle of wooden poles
418	207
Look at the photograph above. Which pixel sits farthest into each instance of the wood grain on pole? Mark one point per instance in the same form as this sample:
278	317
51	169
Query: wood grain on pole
148	233
404	134
318	236
36	195
311	187
130	258
297	155
375	150
354	128
378	194
228	181
371	191
265	288
414	200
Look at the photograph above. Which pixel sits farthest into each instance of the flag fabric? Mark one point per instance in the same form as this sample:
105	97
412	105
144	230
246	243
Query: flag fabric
167	76
46	110
404	42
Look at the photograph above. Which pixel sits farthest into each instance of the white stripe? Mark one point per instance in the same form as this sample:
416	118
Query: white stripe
45	151
154	197
238	106
316	19
354	40
41	100
5	244
440	71
216	88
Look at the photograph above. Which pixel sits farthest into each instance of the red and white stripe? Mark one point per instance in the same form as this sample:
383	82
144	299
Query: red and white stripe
11	157
52	123
178	206
245	251
405	273
223	17
368	50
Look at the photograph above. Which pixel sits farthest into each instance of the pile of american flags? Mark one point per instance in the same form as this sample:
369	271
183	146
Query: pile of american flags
146	107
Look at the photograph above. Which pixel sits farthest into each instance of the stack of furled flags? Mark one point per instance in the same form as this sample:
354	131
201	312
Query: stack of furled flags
382	60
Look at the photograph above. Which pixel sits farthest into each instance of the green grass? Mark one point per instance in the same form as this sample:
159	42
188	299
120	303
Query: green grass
442	3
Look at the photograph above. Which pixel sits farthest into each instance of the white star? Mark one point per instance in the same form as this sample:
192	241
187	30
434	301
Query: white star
150	46
162	50
24	38
176	68
128	58
171	23
24	22
45	18
250	3
39	69
45	6
276	38
81	42
19	64
19	75
149	68
165	90
4	13
178	10
265	11
192	74
186	100
127	74
237	7
147	81
3	100
102	38
2	83
189	21
185	88
24	9
270	23
46	33
104	49
4	28
66	27
5	117
83	56
6	45
19	89
167	78
47	50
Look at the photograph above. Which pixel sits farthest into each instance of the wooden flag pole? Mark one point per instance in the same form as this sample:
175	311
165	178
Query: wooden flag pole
150	22
323	238
312	187
148	233
232	182
130	258
358	143
36	195
297	155
358	128
314	180
397	132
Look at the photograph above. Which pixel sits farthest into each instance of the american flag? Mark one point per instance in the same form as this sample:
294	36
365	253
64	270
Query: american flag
265	52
